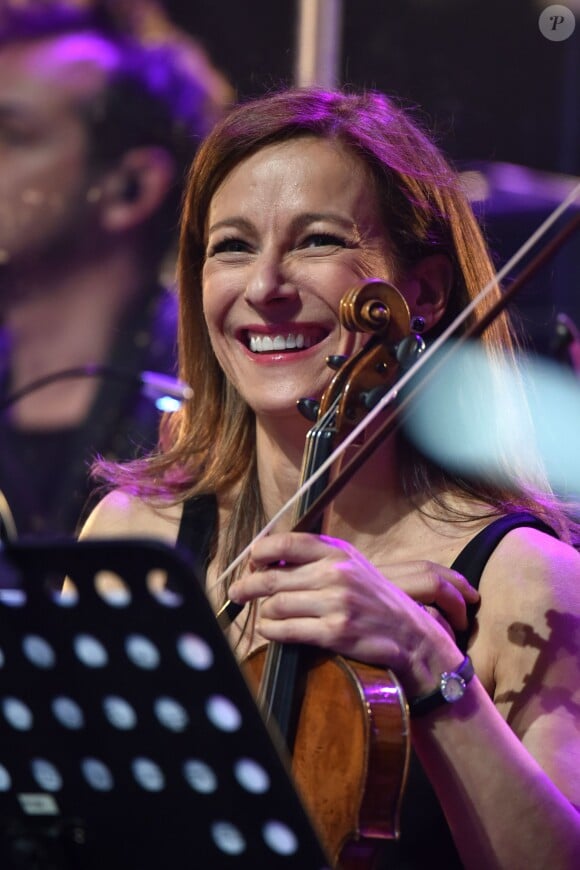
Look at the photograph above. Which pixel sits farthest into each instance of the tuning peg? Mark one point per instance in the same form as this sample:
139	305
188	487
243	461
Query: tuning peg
309	408
335	361
370	398
409	350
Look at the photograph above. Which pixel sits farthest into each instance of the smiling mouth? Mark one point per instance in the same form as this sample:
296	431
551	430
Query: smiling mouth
290	341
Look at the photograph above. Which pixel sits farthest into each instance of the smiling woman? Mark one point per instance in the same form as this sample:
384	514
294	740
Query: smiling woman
291	201
278	261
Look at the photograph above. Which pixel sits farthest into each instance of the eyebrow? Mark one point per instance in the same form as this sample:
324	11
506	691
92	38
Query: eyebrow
17	112
301	220
239	223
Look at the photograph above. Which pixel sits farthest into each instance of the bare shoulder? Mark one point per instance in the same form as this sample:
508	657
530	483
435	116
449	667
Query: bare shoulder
529	617
531	566
121	514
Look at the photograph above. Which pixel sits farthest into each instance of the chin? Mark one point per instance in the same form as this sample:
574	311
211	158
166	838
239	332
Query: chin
278	412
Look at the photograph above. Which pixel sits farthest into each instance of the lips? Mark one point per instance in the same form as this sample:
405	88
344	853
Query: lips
282	341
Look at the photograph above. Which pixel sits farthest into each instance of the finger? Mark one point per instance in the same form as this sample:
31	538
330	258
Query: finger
446	599
419	573
272	579
438	586
296	548
438	617
294	604
462	584
297	630
256	584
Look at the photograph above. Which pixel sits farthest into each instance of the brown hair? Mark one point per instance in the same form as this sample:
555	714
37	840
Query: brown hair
208	446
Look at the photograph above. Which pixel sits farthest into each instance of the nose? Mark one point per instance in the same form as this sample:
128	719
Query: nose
269	282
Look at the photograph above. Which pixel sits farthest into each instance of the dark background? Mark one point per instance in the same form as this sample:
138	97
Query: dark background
486	78
481	75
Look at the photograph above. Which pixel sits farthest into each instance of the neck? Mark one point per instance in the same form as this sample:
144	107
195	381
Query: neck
280	448
371	503
59	318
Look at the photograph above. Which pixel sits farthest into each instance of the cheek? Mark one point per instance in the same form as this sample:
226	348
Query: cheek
212	321
42	191
37	215
211	297
217	301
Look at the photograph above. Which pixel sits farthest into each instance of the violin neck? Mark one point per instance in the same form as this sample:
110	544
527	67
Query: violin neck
280	690
320	443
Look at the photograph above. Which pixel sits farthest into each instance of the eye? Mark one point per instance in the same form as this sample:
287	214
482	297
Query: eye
11	135
324	240
228	246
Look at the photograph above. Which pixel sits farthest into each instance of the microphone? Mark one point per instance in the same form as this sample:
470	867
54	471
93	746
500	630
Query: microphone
168	393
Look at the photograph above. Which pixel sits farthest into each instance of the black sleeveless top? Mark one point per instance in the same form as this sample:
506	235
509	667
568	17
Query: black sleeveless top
425	836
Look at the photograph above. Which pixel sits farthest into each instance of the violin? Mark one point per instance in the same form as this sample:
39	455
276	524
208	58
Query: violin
345	723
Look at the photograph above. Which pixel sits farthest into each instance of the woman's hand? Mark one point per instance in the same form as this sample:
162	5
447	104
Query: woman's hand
322	591
443	592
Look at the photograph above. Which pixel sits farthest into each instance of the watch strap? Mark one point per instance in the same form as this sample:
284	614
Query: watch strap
425	703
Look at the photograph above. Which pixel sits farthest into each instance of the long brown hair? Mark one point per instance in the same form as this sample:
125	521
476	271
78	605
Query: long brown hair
208	446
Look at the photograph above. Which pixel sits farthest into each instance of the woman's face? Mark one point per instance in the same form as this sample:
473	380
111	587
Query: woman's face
289	231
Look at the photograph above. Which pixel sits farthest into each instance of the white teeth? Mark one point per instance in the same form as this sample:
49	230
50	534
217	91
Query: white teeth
266	344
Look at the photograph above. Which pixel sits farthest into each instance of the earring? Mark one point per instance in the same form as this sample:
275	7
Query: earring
418	323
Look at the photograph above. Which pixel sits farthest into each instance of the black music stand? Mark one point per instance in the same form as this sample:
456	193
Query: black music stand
128	735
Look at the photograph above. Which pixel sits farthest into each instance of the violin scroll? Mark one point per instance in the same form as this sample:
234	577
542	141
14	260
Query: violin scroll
377	308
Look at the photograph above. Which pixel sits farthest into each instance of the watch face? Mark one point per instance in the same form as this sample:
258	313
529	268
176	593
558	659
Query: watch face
452	687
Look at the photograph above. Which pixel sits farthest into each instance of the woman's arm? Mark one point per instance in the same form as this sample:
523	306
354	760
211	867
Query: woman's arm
510	783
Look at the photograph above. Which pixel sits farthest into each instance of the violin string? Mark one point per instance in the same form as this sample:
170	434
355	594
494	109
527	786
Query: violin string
392	394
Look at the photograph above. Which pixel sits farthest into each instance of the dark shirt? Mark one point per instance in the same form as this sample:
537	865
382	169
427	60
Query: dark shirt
44	475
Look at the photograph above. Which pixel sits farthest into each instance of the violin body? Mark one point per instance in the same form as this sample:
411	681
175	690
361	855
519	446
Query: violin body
350	754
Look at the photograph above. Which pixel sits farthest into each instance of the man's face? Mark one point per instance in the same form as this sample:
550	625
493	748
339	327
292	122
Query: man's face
48	193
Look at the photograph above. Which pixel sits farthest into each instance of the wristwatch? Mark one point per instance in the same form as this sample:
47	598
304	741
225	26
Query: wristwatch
452	687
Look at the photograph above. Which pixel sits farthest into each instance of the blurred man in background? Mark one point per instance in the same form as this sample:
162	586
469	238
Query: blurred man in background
102	106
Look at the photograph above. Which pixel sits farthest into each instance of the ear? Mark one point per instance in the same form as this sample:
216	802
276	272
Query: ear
135	189
426	287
